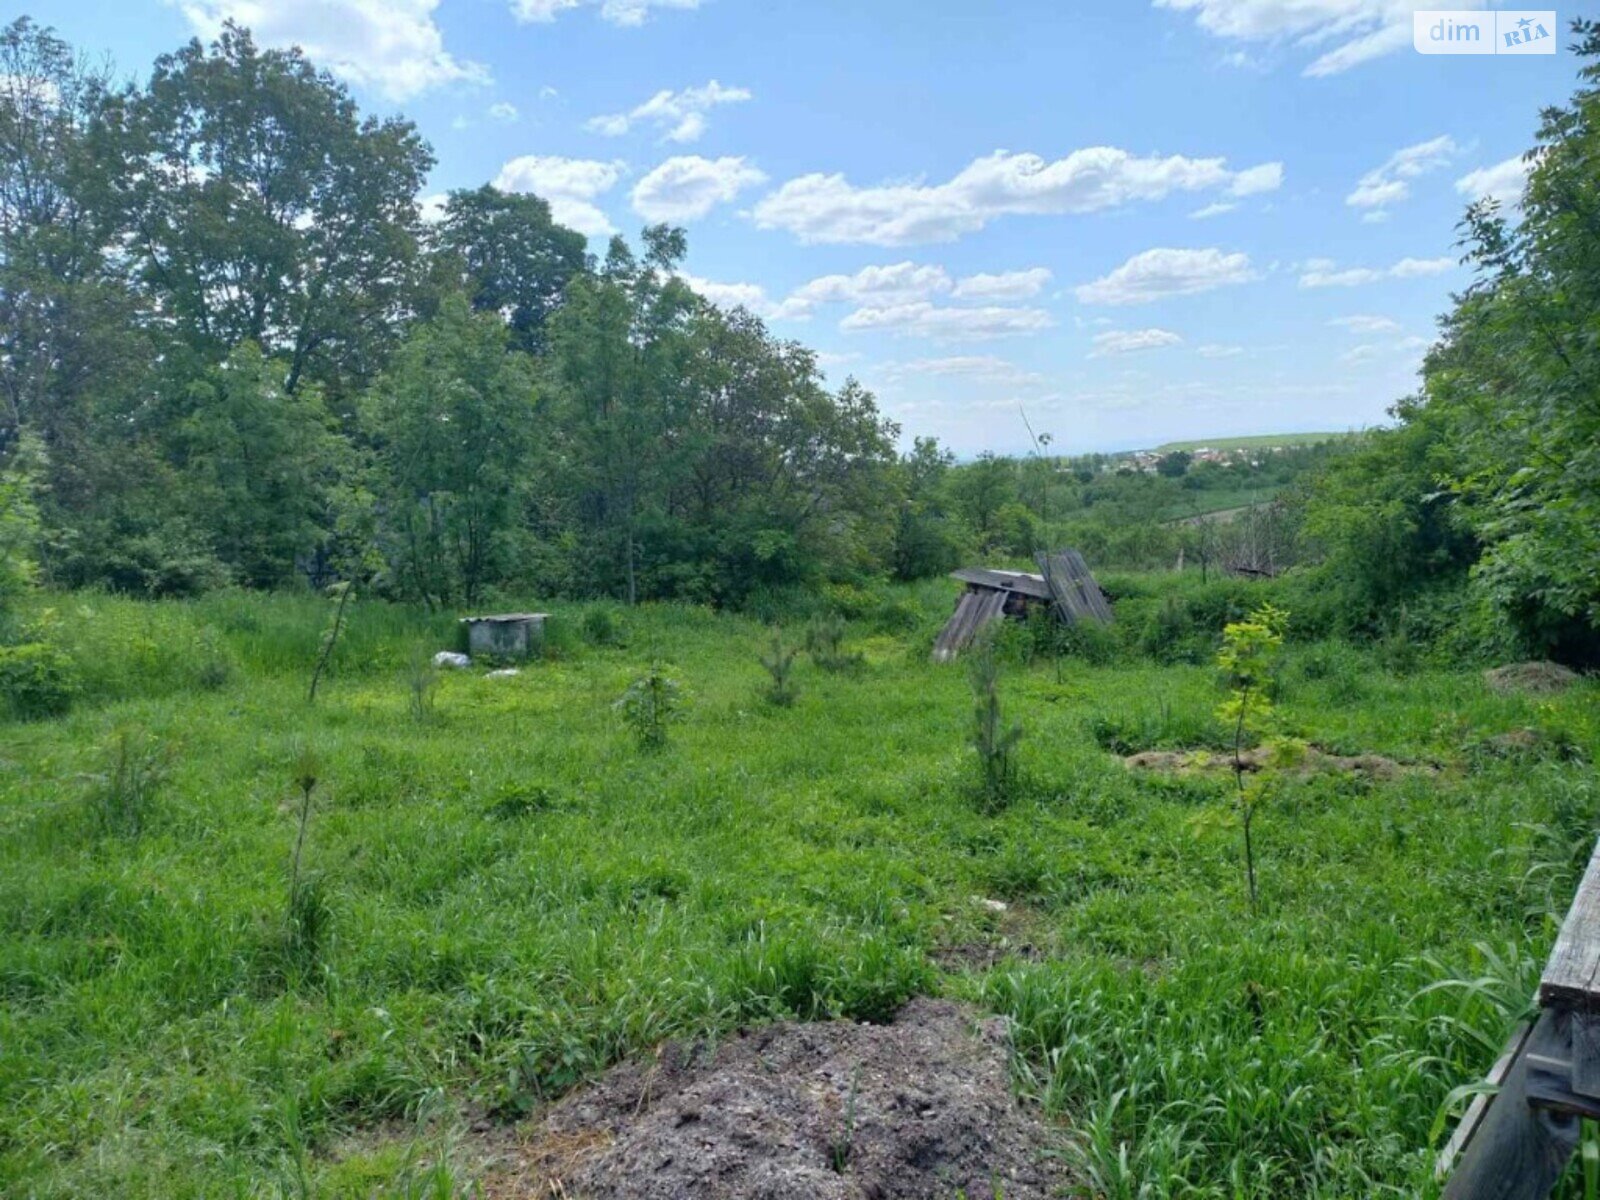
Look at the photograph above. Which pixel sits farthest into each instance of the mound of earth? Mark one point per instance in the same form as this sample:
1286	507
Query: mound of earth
1535	678
920	1109
1373	766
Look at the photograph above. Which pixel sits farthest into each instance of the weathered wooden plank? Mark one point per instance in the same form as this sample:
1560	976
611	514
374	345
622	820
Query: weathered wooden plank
1009	581
1586	1054
1072	585
1473	1117
1572	976
973	612
1518	1151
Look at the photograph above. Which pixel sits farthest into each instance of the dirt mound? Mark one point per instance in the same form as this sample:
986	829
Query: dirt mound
1313	761
1535	678
916	1110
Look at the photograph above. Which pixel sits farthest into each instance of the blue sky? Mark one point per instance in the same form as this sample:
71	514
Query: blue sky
1136	221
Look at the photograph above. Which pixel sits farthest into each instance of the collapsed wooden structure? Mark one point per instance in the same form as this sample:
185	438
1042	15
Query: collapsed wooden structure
1515	1143
1065	585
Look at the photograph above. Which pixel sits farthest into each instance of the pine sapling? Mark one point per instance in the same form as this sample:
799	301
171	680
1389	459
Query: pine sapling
994	740
779	662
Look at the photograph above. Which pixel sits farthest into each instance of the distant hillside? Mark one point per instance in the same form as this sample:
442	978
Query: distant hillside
1264	441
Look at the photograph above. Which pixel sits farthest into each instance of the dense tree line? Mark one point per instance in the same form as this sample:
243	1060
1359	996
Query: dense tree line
1483	503
231	351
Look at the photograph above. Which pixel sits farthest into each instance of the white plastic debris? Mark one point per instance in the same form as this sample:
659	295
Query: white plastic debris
452	660
508	673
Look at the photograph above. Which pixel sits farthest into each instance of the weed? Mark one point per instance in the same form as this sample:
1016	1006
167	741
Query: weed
342	594
422	686
825	644
121	795
779	664
649	706
37	680
994	741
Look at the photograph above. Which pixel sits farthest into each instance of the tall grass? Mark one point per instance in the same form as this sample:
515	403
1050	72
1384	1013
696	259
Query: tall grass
520	899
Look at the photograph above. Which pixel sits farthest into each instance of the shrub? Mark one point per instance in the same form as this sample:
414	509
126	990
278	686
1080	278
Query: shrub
37	680
825	644
600	627
779	663
651	703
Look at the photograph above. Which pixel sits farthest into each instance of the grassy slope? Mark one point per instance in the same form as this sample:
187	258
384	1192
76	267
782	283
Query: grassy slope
1264	441
519	897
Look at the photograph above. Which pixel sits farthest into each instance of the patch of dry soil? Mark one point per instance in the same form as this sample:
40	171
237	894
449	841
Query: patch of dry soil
1373	766
920	1109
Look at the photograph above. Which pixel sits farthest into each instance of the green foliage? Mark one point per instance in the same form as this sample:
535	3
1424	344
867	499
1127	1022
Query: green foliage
601	626
422	686
37	680
778	662
137	765
652	703
994	741
825	643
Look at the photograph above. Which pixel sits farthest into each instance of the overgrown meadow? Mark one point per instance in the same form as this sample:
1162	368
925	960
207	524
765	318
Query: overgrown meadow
498	890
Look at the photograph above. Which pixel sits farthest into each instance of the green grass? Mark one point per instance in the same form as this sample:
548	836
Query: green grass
509	896
1263	441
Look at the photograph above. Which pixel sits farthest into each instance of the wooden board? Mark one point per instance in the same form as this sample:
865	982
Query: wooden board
973	612
1518	1151
1073	588
1005	581
1572	976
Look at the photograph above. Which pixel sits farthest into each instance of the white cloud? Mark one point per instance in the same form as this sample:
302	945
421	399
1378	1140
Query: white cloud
431	208
1364	323
1155	274
1502	182
984	367
681	115
751	296
618	12
504	111
1131	341
688	187
1380	351
898	283
1325	273
923	319
391	46
1360	30
1217	350
571	185
1213	210
829	208
1391	183
1004	285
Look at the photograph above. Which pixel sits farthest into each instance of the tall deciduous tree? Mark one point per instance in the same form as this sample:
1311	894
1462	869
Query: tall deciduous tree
454	424
268	210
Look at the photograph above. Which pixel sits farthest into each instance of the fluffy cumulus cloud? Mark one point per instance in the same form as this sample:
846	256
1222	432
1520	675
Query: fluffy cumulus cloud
681	116
570	185
1342	33
1501	182
925	319
1157	274
1004	285
1325	273
688	187
1391	183
751	296
504	111
618	12
391	46
1131	341
830	209
897	283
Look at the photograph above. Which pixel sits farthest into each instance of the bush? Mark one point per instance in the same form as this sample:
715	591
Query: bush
600	627
37	680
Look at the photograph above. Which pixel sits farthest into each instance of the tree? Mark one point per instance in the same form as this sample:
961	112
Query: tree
453	425
271	212
511	257
1174	465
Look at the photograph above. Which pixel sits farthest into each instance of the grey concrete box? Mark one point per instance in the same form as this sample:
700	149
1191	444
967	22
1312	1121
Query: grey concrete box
510	636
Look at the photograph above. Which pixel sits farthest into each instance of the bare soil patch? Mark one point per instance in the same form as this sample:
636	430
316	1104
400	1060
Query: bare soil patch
920	1109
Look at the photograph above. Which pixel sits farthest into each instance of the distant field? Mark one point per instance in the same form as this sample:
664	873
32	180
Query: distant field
1264	441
